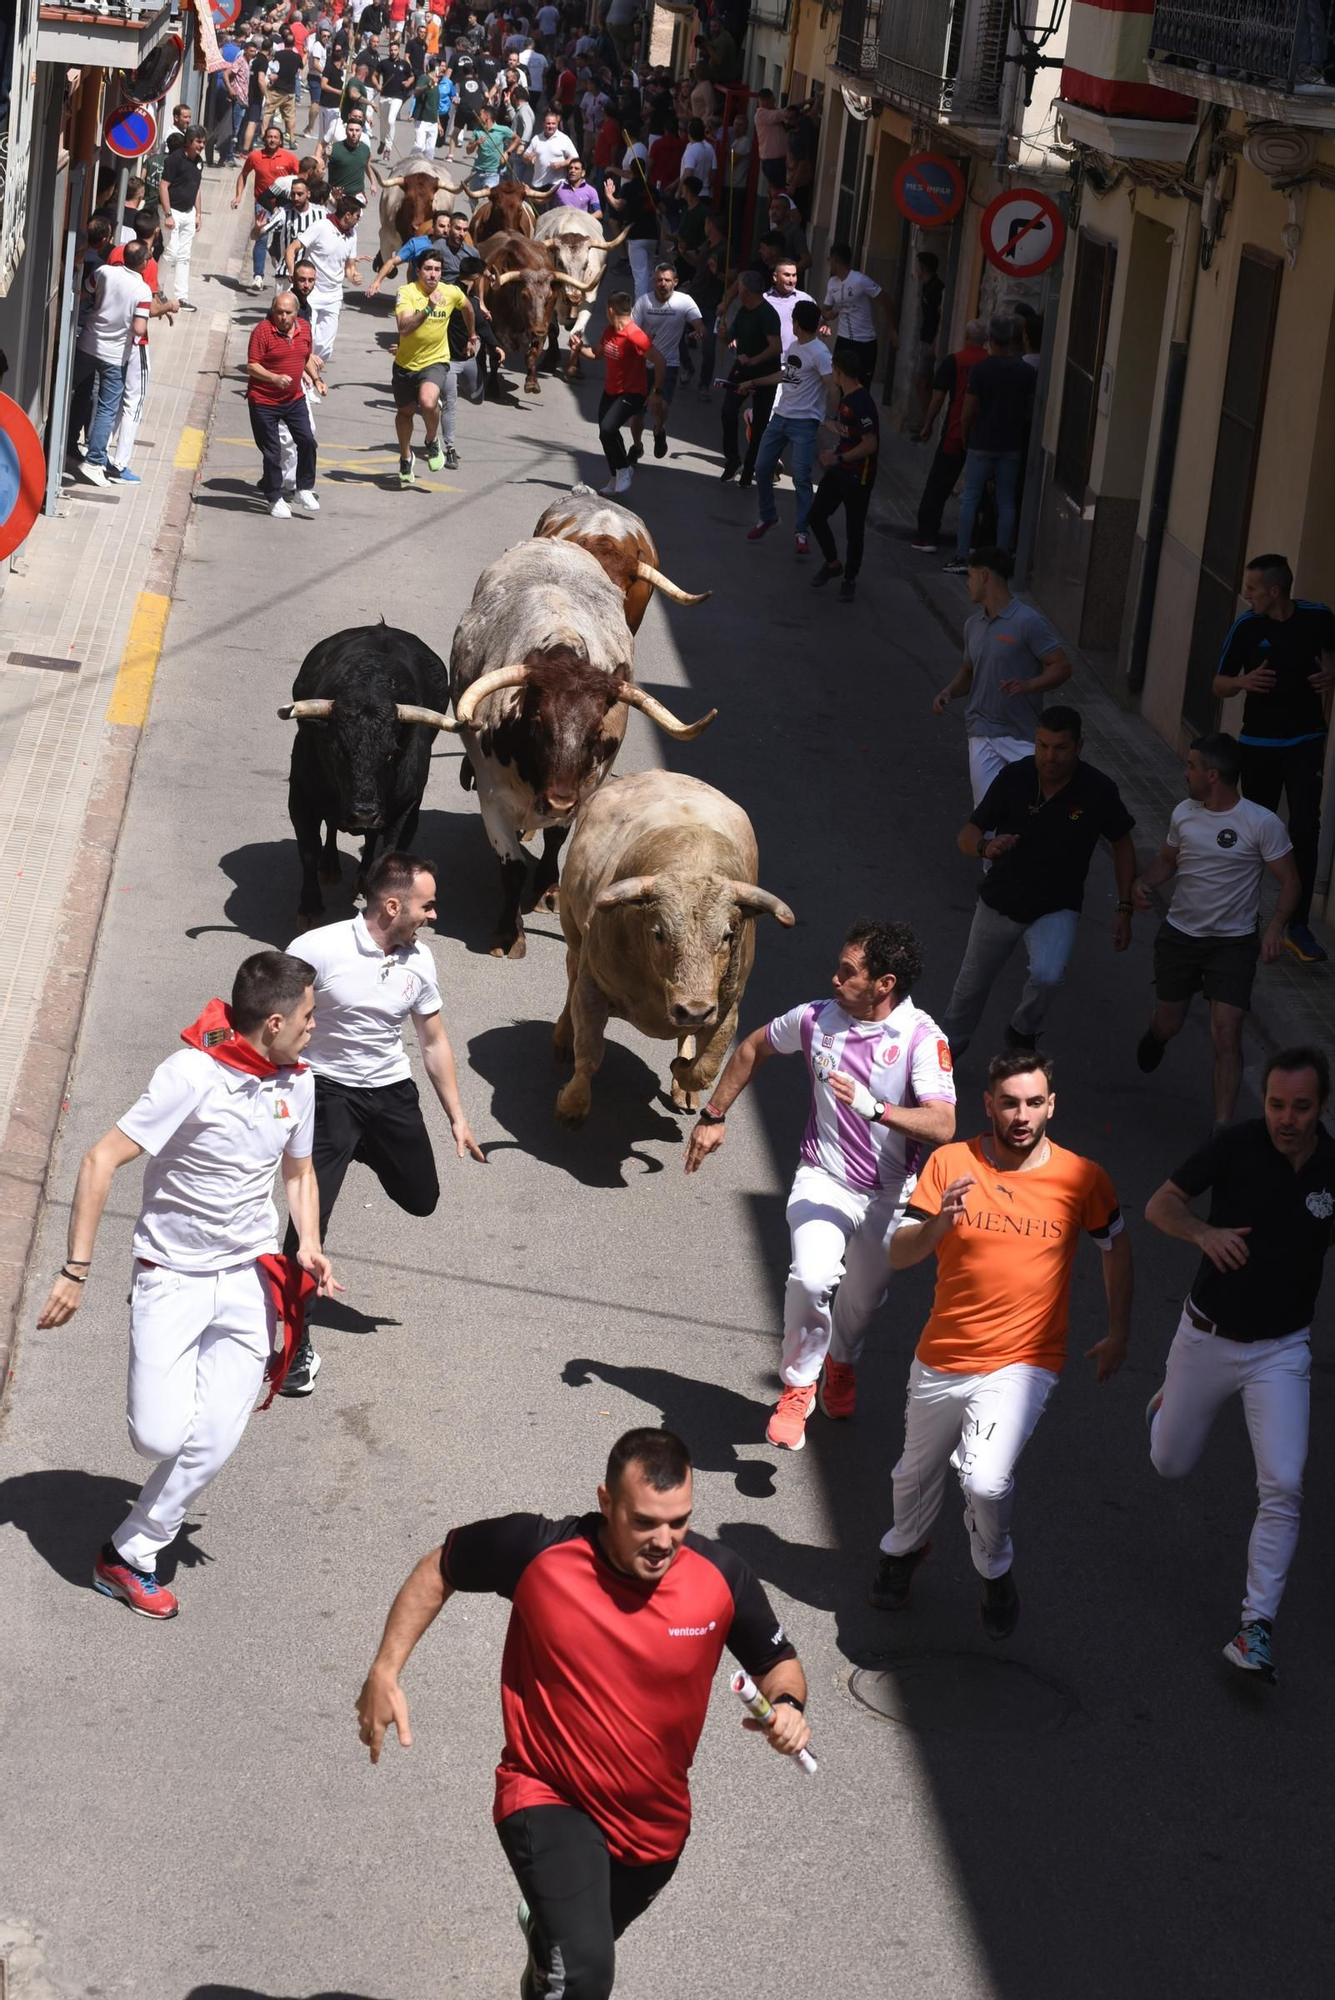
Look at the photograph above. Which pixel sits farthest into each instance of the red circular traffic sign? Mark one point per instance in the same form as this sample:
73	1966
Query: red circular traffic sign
129	131
1022	231
225	12
22	476
929	190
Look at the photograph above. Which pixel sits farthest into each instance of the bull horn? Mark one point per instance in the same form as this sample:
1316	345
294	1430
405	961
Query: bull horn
512	676
684	732
633	889
543	194
507	278
614	242
450	187
432	717
759	902
306	711
573	284
648	574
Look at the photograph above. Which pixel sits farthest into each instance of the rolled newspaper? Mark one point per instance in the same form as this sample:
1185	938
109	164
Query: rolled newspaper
754	1702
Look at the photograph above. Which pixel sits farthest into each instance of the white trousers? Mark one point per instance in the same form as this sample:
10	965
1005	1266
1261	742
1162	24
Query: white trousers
989	756
132	408
425	135
174	275
287	442
643	255
324	325
1272	1377
979	1424
840	1237
390	107
199	1343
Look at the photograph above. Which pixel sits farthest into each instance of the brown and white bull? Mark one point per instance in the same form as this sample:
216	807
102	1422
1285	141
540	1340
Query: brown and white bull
519	289
658	901
409	204
509	205
620	542
541	676
576	241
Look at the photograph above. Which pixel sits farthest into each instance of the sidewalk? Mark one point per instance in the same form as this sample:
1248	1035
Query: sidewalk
81	626
1291	1002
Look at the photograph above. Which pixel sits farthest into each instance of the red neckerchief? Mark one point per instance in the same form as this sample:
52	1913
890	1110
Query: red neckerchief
214	1034
289	1287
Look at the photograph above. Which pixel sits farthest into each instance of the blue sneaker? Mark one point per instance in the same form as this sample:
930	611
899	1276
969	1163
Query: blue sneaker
1299	940
123	474
1251	1650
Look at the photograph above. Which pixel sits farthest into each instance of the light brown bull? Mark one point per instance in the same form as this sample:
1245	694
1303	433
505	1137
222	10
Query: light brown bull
620	542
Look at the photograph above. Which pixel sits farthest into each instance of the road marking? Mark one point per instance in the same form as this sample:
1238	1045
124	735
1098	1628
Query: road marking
190	449
139	661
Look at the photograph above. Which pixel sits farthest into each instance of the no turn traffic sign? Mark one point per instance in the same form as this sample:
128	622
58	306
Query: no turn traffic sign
1023	230
130	131
22	476
929	190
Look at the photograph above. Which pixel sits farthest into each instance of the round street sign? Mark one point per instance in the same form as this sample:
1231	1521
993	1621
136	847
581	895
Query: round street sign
225	13
1023	230
929	190
156	73
22	476
130	131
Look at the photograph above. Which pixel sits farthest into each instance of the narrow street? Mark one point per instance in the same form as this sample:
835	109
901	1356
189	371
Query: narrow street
1088	1810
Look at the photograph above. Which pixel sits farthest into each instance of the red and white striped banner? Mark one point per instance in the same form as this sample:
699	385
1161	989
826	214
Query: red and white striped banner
1106	47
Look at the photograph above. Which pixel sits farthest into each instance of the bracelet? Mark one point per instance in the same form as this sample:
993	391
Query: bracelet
708	1117
85	1261
1126	909
792	1702
73	1276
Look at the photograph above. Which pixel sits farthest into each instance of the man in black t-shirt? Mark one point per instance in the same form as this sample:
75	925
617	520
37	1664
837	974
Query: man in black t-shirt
1245	1328
618	1621
1038	825
849	476
395	79
756	337
280	96
994	424
1281	655
179	213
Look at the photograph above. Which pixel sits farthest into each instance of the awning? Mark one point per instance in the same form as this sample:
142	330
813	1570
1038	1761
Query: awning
82	37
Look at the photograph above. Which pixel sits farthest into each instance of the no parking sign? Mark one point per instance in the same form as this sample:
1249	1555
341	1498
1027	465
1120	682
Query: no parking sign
1023	231
129	131
929	190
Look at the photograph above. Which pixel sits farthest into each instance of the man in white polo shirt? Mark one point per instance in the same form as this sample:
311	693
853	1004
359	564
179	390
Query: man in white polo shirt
667	316
852	303
212	1308
370	975
550	153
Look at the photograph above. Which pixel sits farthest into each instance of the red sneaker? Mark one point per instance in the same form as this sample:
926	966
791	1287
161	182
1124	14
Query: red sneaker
838	1390
788	1425
759	532
138	1588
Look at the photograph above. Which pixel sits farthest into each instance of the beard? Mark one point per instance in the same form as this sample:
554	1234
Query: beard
1029	1144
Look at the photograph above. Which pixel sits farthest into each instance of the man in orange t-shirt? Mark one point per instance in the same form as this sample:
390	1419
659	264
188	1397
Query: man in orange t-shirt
1003	1215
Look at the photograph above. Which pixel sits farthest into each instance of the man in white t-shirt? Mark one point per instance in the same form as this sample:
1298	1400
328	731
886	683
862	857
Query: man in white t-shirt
121	309
881	1093
331	245
550	153
534	62
667	316
698	158
853	303
212	1309
371	975
1218	849
801	404
783	295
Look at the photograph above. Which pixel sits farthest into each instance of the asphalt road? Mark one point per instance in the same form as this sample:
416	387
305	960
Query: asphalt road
1094	1808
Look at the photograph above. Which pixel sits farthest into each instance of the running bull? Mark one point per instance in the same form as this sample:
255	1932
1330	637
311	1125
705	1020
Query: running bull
621	543
580	249
520	288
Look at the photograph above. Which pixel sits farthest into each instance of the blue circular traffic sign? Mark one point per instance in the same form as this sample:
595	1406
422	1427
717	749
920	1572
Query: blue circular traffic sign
130	131
929	190
22	476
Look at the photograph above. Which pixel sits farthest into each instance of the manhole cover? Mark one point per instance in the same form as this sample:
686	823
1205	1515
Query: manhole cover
965	1693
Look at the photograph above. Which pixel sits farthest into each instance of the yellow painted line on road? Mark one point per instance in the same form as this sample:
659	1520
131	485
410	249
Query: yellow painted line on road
139	661
190	449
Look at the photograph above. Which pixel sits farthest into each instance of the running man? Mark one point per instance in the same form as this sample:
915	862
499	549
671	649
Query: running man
370	975
668	317
422	312
210	1302
1246	1325
618	1621
627	351
881	1090
849	478
1003	1215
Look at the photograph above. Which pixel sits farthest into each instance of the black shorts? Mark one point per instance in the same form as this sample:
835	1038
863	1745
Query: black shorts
1222	968
405	382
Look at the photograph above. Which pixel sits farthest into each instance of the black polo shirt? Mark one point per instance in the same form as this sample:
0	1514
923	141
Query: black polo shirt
1057	838
1292	711
1289	1215
183	177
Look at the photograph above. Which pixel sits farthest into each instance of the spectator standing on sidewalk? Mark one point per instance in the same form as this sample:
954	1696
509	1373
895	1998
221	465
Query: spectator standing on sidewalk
1281	655
994	425
931	297
853	303
181	213
122	307
800	407
278	364
1012	658
120	448
849	477
1218	849
772	139
950	385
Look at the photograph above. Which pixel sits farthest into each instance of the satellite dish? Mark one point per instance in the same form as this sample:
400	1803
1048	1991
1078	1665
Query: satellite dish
156	73
856	103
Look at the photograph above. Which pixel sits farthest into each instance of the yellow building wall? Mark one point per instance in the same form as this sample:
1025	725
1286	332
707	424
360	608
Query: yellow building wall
815	38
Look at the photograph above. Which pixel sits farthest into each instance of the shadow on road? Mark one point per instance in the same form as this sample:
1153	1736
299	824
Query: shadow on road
68	1515
253	1993
714	1419
516	1061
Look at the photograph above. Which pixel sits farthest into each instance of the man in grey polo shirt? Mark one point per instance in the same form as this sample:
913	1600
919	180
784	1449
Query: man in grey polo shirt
1012	659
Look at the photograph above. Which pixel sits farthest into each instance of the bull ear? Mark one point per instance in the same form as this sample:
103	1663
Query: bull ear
632	889
754	902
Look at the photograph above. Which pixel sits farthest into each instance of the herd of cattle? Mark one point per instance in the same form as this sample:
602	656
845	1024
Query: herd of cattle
541	273
661	885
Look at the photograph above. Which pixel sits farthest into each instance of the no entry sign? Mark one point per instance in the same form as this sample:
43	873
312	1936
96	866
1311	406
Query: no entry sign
1023	231
22	476
130	131
929	190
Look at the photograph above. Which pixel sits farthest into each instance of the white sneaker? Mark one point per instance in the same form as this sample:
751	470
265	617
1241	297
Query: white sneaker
306	499
256	284
621	484
96	475
611	487
281	511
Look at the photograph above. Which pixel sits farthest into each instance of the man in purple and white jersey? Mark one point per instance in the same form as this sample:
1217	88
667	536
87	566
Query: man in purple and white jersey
881	1093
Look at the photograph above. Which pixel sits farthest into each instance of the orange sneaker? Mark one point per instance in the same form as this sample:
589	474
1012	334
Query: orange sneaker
788	1425
838	1390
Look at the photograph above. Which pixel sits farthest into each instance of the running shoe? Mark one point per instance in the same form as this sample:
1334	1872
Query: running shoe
889	1588
1250	1649
924	548
826	574
660	444
281	511
788	1424
837	1392
301	1375
256	285
745	478
731	467
759	532
801	545
138	1588
307	501
124	474
1149	1051
407	477
848	591
435	457
451	459
1152	1407
1000	1606
1299	940
635	454
96	475
955	567
621	484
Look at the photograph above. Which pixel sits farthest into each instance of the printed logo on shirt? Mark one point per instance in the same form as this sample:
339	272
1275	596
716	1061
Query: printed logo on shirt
280	1108
778	1636
691	1631
822	1062
827	1041
1228	838
943	1056
1076	812
1321	1205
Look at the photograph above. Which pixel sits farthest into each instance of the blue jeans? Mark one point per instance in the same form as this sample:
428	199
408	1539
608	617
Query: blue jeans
257	254
992	939
108	390
800	433
979	467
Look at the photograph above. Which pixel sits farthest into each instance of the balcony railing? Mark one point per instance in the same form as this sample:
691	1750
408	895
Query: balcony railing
859	26
1280	43
946	57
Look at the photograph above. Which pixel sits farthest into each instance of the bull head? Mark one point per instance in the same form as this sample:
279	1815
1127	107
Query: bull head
320	711
519	675
750	900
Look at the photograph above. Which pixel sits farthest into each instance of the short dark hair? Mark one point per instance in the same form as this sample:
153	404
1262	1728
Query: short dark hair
135	254
1220	752
999	561
660	1454
929	260
1001	330
806	314
394	873
886	948
1018	1062
347	204
269	982
693	183
773	240
666	264
99	229
1059	721
1301	1056
1275	569
305	264
843	251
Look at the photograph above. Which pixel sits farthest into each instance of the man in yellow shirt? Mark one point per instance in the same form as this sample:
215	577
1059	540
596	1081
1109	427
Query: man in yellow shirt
423	310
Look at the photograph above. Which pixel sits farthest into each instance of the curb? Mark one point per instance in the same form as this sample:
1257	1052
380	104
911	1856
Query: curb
40	1100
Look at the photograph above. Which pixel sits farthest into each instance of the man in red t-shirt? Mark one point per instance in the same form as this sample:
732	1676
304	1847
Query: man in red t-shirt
266	164
626	349
950	385
618	1622
278	362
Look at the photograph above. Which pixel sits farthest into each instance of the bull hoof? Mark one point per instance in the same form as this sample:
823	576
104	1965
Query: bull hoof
684	1100
572	1106
550	899
575	373
516	949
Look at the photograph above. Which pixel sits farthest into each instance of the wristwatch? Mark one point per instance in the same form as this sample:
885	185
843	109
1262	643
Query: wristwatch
878	1110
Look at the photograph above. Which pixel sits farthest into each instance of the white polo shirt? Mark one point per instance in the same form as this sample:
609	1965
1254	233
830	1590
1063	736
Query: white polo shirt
215	1136
851	298
363	996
